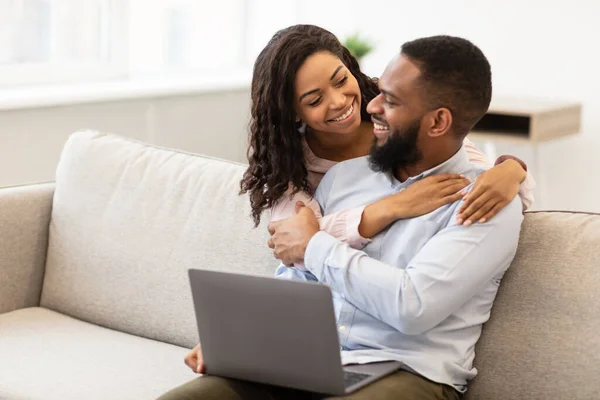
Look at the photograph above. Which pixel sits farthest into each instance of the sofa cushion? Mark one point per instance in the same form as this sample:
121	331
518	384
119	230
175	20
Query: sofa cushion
53	356
542	339
127	223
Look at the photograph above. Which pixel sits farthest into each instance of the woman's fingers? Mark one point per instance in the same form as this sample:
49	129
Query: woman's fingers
451	198
477	192
446	177
490	214
481	211
454	187
472	204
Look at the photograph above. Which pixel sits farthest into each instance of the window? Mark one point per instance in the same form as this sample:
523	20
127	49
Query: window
57	41
44	41
185	35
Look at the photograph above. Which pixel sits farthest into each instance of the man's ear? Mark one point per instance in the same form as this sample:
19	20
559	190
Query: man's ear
441	122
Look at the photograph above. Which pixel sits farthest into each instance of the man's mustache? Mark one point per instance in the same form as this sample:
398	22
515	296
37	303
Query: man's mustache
378	121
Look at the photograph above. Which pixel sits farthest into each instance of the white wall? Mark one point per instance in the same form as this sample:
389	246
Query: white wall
537	48
211	123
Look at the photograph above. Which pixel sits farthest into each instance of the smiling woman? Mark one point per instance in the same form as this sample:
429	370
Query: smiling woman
330	103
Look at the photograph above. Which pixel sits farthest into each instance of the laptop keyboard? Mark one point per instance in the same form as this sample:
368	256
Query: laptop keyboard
352	378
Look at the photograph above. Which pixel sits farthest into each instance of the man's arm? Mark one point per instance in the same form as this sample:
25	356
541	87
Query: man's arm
450	269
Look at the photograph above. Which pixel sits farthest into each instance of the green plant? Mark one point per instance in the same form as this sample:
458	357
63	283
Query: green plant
358	46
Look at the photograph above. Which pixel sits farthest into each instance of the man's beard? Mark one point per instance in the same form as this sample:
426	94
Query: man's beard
400	150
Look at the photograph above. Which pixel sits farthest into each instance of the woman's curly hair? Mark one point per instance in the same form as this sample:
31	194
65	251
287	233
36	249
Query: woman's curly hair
275	153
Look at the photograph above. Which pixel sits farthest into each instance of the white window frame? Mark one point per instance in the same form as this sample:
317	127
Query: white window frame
56	73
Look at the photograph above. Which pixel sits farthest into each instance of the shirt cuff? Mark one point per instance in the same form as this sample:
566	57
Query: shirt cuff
318	250
503	158
353	218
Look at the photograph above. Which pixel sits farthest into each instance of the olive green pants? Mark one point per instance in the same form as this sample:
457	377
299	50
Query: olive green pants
401	385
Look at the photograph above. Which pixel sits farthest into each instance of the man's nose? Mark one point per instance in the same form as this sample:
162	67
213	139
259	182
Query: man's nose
375	105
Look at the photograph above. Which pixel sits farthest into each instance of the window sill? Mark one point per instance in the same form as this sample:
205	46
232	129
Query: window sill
117	90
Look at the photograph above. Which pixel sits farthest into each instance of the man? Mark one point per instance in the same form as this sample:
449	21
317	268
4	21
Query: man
420	291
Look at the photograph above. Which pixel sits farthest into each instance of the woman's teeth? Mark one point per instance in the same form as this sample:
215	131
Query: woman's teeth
380	127
346	114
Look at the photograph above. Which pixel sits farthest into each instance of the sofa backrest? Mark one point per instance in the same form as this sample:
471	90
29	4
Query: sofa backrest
543	338
129	220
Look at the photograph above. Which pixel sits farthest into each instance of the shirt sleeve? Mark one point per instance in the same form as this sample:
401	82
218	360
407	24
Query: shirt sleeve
526	191
454	265
476	156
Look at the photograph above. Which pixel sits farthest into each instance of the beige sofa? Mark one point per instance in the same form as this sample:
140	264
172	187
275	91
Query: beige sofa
95	301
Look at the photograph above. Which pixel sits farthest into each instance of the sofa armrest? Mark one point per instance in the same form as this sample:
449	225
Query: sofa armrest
24	220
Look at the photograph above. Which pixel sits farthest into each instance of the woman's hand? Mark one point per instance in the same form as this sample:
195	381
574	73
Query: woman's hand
418	199
195	361
493	190
428	195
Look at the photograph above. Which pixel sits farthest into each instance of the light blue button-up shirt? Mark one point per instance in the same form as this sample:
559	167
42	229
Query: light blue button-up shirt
420	291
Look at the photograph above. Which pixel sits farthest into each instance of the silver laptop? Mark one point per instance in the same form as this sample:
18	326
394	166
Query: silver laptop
276	332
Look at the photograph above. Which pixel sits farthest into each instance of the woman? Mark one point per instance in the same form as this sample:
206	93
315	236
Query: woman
295	138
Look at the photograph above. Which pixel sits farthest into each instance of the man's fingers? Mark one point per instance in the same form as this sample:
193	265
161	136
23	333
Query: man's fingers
270	243
200	367
190	361
272	227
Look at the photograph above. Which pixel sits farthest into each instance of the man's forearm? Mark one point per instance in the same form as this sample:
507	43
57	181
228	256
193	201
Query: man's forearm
416	297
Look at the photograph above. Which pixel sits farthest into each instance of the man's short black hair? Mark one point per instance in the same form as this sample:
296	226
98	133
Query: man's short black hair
456	75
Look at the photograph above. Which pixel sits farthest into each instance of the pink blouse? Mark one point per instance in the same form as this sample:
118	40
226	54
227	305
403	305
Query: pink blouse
344	223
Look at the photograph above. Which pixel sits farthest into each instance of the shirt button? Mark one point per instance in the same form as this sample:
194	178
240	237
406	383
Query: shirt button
342	329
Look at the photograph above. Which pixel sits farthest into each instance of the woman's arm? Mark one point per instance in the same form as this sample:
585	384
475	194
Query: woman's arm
495	188
341	225
357	225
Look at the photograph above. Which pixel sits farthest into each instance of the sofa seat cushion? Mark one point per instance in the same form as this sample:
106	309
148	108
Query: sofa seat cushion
47	355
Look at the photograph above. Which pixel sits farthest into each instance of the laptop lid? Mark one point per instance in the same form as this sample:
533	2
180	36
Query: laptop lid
268	330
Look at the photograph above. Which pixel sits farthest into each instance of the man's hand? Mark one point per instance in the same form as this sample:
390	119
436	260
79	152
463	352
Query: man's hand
195	361
290	236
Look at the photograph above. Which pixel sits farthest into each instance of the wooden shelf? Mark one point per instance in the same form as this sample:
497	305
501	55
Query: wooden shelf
527	120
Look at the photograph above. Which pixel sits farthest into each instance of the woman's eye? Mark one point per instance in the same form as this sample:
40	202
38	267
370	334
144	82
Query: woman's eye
315	103
342	81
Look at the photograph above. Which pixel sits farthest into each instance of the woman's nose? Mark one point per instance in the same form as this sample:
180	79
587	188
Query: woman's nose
338	101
